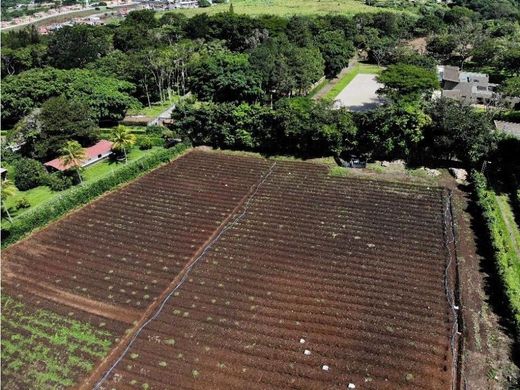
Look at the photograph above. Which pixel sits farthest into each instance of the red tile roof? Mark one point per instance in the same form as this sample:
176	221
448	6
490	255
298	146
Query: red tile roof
103	147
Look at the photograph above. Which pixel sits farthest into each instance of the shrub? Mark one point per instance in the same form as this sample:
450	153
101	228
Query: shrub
144	143
507	263
58	181
155	130
22	203
28	173
77	196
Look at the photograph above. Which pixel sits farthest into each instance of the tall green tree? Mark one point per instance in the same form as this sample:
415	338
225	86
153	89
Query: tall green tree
60	120
72	155
75	46
408	82
122	139
225	77
336	51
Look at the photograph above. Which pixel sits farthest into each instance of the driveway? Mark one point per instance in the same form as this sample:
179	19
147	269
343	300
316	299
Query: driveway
360	94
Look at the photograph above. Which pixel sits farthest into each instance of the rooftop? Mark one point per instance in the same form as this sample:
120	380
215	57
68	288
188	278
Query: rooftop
93	153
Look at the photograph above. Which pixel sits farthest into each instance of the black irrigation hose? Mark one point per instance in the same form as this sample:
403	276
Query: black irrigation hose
183	279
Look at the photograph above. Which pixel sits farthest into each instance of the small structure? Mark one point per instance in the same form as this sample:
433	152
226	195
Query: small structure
3	174
93	154
468	87
510	128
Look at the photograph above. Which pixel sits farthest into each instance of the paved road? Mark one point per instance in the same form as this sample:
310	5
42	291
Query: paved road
360	94
167	114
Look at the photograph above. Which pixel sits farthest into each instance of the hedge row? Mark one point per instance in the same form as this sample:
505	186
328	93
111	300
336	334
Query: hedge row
82	194
507	262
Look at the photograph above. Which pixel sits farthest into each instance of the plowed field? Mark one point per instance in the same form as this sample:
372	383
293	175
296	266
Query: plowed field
238	272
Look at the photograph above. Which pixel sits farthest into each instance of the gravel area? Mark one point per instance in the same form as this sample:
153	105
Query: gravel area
360	94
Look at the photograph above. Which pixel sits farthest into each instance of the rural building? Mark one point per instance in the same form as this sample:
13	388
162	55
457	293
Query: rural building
93	154
469	87
508	128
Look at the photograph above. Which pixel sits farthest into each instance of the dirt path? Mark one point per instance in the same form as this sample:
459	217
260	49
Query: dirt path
322	92
487	360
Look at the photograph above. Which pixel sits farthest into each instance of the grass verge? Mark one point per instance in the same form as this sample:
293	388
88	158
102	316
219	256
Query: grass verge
504	236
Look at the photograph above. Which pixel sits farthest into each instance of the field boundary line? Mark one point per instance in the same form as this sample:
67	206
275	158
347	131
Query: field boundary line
105	368
87	305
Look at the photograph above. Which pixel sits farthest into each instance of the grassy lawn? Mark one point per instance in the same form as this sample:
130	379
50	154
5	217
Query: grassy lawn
288	7
40	194
155	110
359	68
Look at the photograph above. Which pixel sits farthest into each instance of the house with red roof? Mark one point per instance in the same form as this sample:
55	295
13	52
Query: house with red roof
93	154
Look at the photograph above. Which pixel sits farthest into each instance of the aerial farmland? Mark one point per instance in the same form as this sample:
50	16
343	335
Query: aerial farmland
221	271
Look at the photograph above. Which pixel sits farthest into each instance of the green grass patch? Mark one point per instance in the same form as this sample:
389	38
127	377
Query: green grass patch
41	194
288	8
318	88
359	68
43	350
156	108
504	236
77	196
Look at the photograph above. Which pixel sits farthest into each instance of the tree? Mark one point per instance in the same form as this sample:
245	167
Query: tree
393	131
225	77
442	46
307	66
135	31
28	173
122	139
408	82
8	190
336	51
72	155
60	120
458	130
75	46
107	97
511	87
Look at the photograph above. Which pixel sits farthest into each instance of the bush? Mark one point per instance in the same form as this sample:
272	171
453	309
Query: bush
80	195
22	203
144	143
28	173
507	263
58	181
155	130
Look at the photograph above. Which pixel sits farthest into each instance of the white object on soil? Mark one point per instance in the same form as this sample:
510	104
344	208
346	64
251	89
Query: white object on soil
351	386
302	341
307	352
325	367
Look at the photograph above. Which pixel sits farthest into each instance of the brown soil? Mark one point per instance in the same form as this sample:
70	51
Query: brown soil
355	267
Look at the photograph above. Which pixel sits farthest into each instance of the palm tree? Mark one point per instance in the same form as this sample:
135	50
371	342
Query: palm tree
122	139
72	154
8	189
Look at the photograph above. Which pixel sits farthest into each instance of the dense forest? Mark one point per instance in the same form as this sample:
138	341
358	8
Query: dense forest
246	80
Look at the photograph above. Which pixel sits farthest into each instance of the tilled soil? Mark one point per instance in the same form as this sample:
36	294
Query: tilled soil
272	275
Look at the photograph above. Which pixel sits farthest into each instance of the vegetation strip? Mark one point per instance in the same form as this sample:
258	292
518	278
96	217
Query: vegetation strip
78	196
506	257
